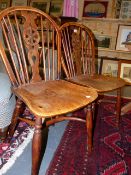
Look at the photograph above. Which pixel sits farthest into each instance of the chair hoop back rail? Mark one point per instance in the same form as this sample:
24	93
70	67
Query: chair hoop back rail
33	41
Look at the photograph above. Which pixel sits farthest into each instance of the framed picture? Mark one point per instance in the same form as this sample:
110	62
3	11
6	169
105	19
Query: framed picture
4	4
124	38
118	8
95	9
43	5
109	66
125	12
19	2
124	70
102	41
56	8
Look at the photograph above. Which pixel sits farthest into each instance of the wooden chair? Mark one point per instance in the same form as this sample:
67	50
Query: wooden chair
35	73
78	61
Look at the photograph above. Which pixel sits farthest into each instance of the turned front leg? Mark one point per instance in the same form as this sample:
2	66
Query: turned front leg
89	125
36	146
17	111
118	106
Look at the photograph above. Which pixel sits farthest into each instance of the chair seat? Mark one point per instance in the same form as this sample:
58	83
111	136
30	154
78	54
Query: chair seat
51	98
99	82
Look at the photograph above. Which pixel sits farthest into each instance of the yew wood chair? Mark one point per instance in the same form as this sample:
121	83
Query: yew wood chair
35	74
78	61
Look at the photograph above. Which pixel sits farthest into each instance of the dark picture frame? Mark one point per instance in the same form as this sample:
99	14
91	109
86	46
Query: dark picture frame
4	4
43	5
117	8
56	8
102	41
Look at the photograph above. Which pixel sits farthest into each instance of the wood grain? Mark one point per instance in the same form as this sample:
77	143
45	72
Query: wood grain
51	98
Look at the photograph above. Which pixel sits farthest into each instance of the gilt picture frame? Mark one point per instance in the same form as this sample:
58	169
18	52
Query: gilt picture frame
124	70
95	9
109	67
125	11
123	41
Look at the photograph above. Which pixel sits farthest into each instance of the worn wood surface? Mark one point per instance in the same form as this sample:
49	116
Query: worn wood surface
51	98
99	82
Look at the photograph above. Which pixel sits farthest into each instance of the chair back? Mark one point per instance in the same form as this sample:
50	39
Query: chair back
78	50
32	41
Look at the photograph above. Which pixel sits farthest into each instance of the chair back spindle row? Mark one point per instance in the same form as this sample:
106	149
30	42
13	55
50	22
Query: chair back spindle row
78	51
33	44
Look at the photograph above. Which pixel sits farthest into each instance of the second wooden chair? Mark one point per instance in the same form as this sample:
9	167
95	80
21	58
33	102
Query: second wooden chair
78	61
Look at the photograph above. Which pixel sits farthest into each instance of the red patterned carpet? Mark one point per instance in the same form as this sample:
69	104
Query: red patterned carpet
112	147
10	151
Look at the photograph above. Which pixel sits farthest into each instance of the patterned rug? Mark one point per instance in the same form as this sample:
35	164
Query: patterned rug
112	146
10	152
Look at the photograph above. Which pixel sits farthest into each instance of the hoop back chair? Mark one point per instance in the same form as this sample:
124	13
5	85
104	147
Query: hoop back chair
78	61
35	73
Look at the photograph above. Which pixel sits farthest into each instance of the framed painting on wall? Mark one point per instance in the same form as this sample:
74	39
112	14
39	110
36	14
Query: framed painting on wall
124	70
124	38
125	12
109	67
95	9
43	5
4	4
19	2
102	41
117	8
56	8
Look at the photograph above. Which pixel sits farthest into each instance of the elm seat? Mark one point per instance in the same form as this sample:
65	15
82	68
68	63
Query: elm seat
7	104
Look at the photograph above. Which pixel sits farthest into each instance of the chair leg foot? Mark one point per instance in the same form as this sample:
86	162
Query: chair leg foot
3	134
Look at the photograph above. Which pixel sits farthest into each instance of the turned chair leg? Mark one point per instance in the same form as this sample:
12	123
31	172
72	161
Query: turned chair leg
37	147
118	106
89	125
94	104
16	113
